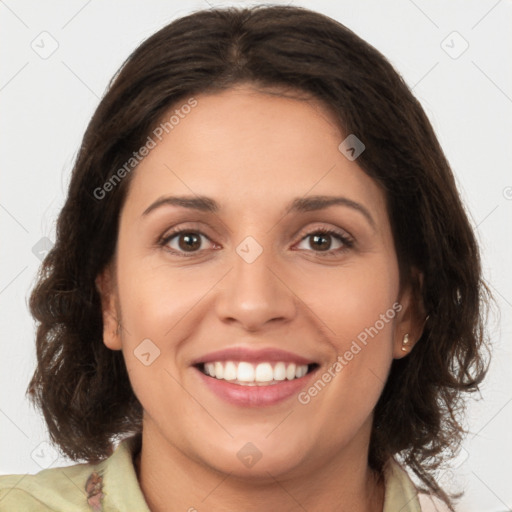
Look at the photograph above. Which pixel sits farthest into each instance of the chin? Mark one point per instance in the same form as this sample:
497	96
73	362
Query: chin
256	458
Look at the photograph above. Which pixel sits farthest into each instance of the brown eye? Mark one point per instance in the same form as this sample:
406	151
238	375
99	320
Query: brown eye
189	241
184	241
321	241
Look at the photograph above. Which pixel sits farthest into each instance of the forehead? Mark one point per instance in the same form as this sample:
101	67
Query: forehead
251	149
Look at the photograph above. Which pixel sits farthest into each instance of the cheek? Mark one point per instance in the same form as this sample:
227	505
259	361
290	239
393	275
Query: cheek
352	299
357	305
154	309
154	297
161	306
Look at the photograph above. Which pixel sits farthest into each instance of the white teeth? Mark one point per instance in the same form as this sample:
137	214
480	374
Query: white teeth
230	372
280	371
300	371
264	372
290	372
245	373
219	370
209	369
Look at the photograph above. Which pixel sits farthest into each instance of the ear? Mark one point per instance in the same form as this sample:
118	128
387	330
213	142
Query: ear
411	317
106	286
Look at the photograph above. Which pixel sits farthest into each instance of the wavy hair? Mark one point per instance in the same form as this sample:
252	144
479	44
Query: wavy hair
83	388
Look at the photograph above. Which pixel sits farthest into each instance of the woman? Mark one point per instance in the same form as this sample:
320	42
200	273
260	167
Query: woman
264	283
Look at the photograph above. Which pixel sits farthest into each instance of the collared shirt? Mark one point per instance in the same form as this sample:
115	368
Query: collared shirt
112	486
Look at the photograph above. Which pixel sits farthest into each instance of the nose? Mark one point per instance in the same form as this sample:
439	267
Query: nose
256	293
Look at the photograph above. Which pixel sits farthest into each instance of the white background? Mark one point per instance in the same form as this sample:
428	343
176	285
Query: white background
46	104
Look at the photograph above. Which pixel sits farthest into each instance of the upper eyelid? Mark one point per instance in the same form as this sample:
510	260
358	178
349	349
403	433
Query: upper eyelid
194	226
302	233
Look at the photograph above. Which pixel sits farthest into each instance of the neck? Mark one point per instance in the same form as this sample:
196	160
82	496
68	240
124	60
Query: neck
171	481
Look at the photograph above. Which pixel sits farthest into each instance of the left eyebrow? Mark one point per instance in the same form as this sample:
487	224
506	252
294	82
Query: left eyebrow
299	204
313	203
201	203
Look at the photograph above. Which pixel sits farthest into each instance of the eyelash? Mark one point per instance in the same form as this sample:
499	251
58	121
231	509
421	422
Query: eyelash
348	242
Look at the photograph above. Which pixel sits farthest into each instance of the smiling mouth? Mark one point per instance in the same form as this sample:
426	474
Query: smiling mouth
244	373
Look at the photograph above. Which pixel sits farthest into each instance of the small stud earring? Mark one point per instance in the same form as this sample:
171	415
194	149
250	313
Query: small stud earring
405	342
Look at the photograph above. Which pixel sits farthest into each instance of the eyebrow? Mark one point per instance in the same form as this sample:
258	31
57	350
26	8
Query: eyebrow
299	204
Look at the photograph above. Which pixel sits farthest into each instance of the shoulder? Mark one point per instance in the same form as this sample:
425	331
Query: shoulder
400	491
107	486
432	504
58	488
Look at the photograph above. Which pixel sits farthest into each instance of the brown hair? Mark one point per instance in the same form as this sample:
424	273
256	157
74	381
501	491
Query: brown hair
83	388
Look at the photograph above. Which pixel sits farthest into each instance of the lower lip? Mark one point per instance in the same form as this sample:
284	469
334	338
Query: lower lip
255	396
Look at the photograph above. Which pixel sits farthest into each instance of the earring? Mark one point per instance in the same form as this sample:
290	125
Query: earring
405	342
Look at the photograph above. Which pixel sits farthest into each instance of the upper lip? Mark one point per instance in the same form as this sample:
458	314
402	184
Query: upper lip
241	353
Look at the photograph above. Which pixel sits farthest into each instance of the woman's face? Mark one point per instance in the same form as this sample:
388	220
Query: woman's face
219	323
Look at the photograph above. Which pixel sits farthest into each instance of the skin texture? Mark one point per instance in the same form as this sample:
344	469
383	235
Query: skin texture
253	153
